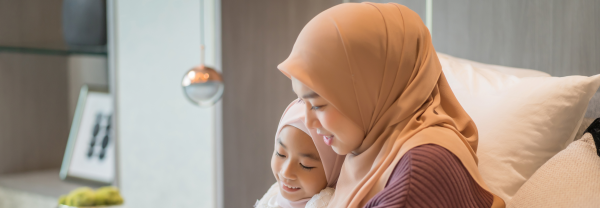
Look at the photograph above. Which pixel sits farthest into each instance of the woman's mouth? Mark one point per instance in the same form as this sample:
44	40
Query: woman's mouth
328	140
287	188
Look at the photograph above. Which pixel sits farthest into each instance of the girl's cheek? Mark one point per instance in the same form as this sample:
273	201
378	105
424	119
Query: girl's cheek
276	164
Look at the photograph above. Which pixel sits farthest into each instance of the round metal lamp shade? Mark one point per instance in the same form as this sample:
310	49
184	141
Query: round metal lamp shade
203	85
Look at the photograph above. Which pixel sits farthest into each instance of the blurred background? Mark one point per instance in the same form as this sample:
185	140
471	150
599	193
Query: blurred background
170	152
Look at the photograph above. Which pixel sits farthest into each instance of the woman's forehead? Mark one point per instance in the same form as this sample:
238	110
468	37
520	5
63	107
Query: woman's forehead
300	88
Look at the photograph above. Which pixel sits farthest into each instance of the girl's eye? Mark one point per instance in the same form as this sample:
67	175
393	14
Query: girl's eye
306	168
279	155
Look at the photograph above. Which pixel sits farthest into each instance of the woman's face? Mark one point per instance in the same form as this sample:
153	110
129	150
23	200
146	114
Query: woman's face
338	131
296	165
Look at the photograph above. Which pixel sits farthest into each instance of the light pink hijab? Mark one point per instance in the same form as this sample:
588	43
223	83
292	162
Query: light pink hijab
332	162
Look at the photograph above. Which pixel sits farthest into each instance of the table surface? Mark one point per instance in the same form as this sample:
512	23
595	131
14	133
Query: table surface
45	183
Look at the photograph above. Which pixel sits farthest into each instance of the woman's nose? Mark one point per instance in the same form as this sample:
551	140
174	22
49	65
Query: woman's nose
311	119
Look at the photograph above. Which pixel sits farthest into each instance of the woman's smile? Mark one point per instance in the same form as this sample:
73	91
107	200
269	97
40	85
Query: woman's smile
327	138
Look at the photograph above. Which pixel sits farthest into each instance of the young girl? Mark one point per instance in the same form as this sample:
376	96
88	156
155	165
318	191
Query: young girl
305	167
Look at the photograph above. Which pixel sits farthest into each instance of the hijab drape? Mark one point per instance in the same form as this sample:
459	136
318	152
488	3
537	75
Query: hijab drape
332	162
376	64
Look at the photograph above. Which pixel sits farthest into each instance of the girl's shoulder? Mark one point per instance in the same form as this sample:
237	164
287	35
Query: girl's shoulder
321	200
268	200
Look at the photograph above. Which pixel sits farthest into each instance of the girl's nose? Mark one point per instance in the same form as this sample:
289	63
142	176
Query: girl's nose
287	172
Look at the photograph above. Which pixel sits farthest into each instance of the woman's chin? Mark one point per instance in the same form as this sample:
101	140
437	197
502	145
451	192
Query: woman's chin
340	150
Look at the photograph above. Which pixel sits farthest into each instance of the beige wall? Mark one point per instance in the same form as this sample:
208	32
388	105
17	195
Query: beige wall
33	112
34	122
38	92
555	36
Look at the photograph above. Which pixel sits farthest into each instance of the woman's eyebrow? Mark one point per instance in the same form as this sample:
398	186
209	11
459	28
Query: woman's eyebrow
310	95
281	143
311	156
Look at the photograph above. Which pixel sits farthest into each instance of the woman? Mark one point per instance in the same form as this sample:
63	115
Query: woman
374	89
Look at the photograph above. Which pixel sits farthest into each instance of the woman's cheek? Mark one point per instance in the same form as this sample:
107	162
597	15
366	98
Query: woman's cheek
327	121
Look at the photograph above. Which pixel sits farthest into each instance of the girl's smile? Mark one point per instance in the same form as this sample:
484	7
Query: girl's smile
288	188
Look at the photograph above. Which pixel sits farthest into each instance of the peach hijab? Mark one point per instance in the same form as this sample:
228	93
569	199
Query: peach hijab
376	64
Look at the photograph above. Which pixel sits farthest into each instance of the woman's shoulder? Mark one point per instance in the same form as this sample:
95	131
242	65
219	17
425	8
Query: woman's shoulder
427	156
428	175
423	164
425	161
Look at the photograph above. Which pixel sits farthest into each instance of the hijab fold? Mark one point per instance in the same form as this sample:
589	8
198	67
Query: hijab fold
376	64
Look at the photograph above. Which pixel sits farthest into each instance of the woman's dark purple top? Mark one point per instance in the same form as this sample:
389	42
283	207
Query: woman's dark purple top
431	176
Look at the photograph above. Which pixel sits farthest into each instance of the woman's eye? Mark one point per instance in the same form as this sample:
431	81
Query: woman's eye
306	168
317	107
279	155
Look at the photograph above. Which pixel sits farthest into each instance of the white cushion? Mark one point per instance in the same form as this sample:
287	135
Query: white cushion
523	121
569	179
472	65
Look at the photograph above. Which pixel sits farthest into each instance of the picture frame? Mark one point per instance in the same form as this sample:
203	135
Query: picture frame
90	152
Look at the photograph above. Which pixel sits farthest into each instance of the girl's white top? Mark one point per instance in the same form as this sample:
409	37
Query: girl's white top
320	200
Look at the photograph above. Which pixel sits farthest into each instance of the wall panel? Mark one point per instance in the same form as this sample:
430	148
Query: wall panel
34	118
558	37
34	123
165	143
416	5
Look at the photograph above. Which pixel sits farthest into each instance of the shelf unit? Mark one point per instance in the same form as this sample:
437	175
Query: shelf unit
61	50
40	77
42	82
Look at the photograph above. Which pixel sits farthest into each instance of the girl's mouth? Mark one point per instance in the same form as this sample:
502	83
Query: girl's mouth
289	188
328	140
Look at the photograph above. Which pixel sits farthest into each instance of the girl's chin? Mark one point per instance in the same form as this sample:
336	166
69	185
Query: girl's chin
292	197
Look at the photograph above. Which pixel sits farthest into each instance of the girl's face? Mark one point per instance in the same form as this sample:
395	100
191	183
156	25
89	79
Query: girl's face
297	166
338	131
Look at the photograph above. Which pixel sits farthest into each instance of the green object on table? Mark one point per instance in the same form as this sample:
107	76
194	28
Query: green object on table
108	195
83	197
62	200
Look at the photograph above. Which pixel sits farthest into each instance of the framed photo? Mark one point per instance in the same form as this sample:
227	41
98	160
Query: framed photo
90	152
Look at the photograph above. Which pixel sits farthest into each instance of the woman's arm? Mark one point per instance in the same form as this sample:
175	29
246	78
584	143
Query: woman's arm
431	176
